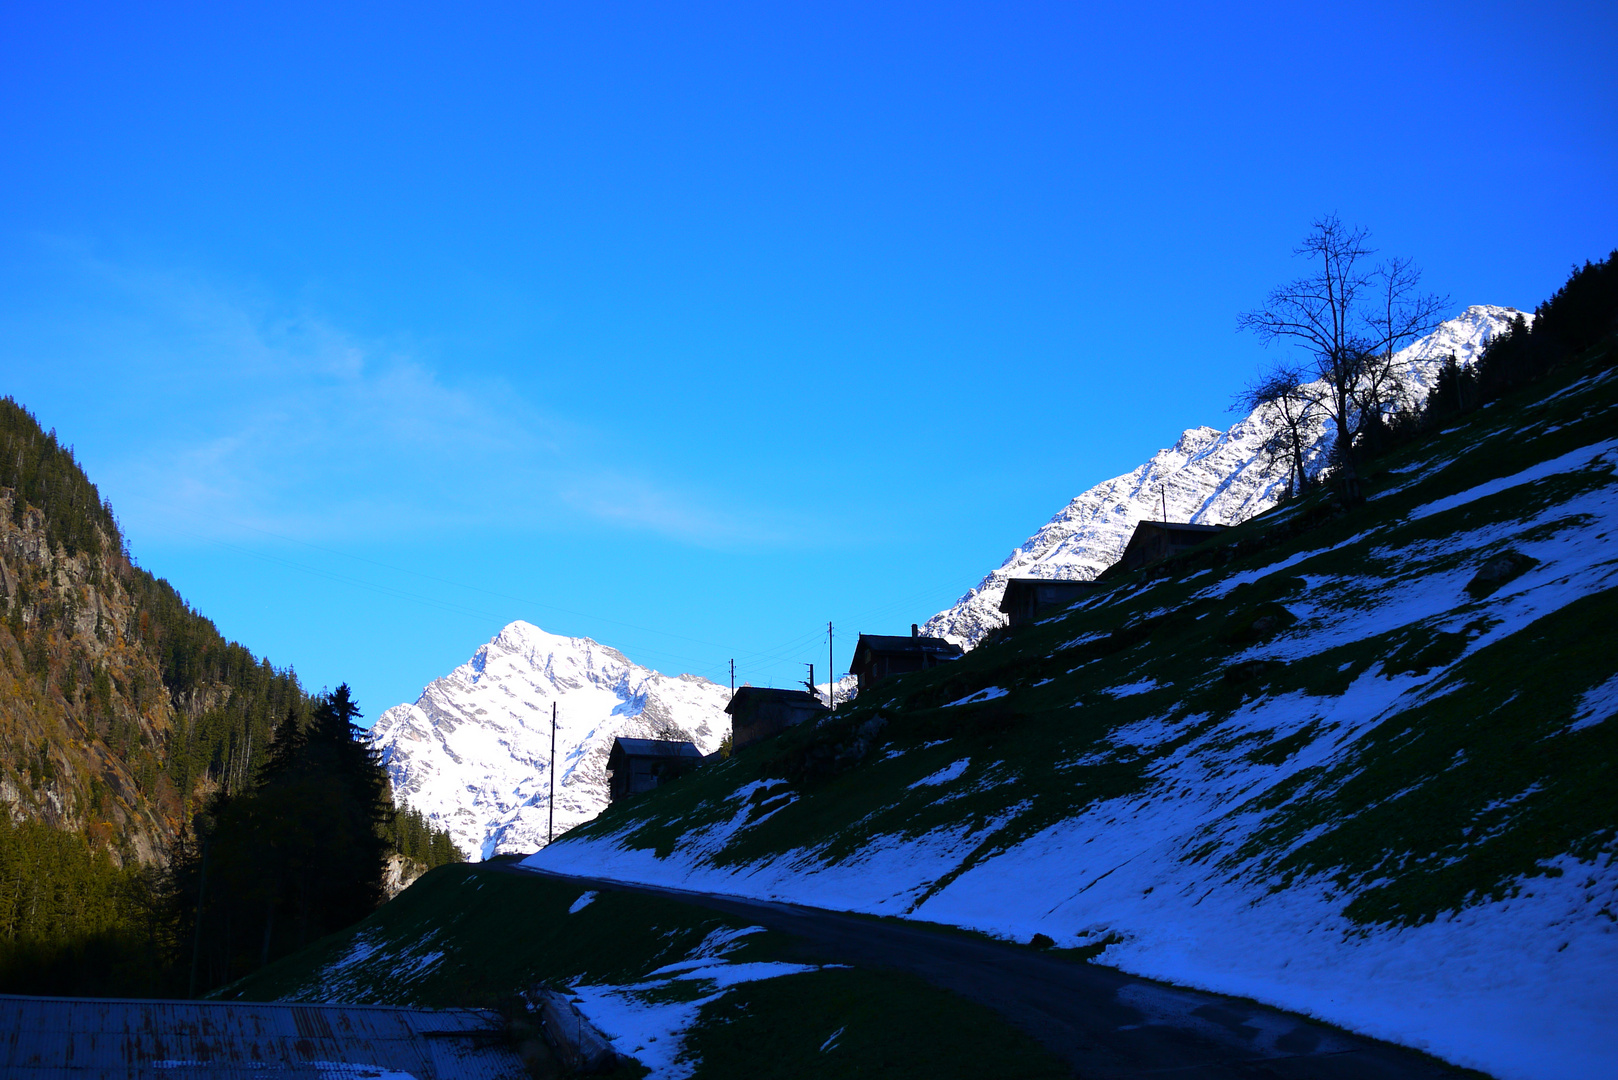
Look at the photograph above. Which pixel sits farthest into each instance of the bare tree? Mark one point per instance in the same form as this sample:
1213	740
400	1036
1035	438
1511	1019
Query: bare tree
1350	318
1398	315
1282	393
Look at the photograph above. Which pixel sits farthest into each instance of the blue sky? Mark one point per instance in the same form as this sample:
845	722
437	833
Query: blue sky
692	327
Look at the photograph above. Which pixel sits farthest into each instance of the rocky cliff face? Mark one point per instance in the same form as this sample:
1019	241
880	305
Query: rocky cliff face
84	712
1208	476
120	705
473	753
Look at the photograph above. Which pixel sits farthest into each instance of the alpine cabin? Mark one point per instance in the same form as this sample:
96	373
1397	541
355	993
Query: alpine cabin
758	712
638	765
877	655
1155	541
1026	600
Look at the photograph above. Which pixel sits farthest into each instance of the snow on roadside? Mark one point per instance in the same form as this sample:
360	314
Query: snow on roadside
1519	987
644	1021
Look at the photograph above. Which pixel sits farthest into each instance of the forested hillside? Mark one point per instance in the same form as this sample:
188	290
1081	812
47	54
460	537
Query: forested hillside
124	713
120	705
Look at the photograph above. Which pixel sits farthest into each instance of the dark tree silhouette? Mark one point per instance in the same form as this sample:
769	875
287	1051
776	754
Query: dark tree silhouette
1349	317
1292	406
301	855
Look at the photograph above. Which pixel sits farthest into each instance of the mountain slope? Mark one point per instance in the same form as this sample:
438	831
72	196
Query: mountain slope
120	705
473	753
1209	477
1354	764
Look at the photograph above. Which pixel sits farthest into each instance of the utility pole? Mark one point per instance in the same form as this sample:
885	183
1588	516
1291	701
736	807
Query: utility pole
733	678
831	679
551	834
1163	490
813	692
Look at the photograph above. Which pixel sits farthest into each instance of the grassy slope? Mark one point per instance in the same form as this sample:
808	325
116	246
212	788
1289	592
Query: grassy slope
1386	742
471	935
1389	745
1049	747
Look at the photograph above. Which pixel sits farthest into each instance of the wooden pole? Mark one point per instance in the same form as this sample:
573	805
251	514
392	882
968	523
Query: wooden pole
831	678
551	833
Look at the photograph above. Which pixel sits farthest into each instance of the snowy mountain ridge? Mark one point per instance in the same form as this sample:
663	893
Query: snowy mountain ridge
1209	477
473	753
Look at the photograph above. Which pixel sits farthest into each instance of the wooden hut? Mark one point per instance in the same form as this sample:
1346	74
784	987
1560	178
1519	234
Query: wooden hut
1026	600
638	765
758	712
877	655
1154	541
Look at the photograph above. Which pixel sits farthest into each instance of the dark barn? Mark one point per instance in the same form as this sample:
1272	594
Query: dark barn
757	712
639	765
877	656
1027	599
1155	541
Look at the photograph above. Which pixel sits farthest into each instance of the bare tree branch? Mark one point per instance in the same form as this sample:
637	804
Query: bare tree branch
1289	400
1349	319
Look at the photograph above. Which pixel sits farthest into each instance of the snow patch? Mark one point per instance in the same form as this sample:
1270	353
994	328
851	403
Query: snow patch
1131	689
986	694
1597	705
944	775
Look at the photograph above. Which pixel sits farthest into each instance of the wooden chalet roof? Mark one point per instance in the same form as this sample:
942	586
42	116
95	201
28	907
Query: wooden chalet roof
1179	527
653	748
902	643
1017	585
750	695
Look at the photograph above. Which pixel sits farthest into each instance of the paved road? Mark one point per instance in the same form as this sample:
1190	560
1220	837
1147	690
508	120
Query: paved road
1108	1025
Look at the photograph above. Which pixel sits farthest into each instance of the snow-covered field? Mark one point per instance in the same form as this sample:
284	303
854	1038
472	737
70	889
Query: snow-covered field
1207	873
643	1021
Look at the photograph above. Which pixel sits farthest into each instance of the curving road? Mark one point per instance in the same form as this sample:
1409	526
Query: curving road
1106	1024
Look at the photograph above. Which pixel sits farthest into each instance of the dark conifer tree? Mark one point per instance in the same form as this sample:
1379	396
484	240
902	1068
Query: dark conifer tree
301	855
287	748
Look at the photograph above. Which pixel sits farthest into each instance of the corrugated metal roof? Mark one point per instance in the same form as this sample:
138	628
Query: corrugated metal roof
82	1038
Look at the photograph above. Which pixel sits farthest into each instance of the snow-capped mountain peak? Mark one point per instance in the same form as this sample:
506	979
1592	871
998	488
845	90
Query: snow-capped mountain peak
473	753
